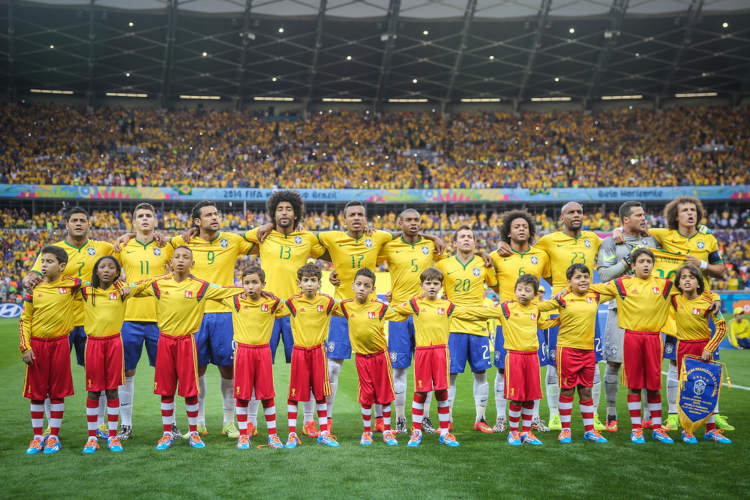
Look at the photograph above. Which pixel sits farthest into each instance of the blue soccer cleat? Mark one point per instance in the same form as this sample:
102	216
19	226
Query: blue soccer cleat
514	438
53	445
35	446
165	442
274	442
689	438
292	441
636	437
102	432
243	442
366	439
389	438
594	436
716	435
91	445
326	439
564	437
195	441
449	439
530	438
114	444
415	439
661	436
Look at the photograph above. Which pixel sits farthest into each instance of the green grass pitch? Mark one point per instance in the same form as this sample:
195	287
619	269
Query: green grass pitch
484	466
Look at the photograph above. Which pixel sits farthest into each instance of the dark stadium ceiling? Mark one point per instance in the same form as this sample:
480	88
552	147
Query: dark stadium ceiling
376	50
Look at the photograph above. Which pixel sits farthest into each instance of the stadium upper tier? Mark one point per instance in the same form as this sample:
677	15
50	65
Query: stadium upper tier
51	144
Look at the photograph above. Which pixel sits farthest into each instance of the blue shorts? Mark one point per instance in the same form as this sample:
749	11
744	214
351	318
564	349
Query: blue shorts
338	345
401	342
744	343
282	331
670	347
474	347
601	322
215	338
77	338
500	351
134	334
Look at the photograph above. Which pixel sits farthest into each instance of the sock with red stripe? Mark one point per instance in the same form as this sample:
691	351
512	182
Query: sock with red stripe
711	423
527	415
242	410
167	413
565	405
322	408
56	411
444	409
191	408
92	408
514	415
587	414
37	417
269	411
113	415
654	407
291	415
417	410
634	407
387	416
367	417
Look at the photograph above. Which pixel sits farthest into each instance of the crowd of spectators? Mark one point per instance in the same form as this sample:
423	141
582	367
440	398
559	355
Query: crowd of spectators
52	144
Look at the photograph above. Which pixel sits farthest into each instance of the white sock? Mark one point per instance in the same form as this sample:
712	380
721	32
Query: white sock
481	394
308	409
334	368
227	399
452	394
535	412
596	390
553	391
673	386
252	410
500	401
46	409
377	411
126	401
202	400
101	413
646	411
427	404
716	410
399	388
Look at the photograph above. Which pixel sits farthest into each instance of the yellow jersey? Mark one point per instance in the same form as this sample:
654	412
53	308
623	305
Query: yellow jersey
701	246
692	318
367	324
103	311
48	311
215	260
564	251
310	318
406	261
253	319
578	319
521	322
507	269
642	304
464	286
80	265
141	262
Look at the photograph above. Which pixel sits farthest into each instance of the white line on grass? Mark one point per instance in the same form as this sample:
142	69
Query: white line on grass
734	386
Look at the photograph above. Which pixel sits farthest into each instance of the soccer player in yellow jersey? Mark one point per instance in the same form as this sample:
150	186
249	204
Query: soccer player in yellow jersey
215	253
465	280
45	324
739	330
141	258
517	230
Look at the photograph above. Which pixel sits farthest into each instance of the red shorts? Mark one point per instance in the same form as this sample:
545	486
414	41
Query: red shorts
104	363
375	378
253	371
575	367
49	375
431	368
176	361
641	355
309	371
522	382
694	347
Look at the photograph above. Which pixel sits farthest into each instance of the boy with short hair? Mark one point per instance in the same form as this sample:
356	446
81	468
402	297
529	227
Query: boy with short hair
46	321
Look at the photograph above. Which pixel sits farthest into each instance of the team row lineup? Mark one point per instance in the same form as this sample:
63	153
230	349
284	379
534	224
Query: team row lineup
180	300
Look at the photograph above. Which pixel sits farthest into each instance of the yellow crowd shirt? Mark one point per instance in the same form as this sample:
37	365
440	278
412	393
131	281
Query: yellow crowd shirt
142	261
48	311
464	286
310	318
507	269
642	304
564	251
406	261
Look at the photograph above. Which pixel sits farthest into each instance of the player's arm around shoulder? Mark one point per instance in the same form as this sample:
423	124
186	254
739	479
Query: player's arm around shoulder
476	312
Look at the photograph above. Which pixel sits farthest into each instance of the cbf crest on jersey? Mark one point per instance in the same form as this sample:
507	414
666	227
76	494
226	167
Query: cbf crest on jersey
700	245
224	243
477	272
425	250
157	251
534	260
91	251
298	240
700	385
587	243
368	242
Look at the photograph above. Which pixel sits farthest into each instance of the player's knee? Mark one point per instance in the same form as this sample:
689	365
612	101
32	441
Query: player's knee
112	394
130	373
94	394
583	392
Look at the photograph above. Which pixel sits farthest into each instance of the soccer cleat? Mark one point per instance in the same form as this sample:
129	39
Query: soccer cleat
449	439
689	438
243	442
114	444
661	435
327	439
427	426
636	436
612	425
538	425
52	446
230	430
310	430
35	446
564	437
202	430
594	436
165	442
389	438
415	439
554	423
379	425
673	422
722	423
126	432
292	441
598	425
274	442
178	434
500	425
514	438
91	445
102	432
252	430
195	440
530	438
47	432
717	436
366	439
482	426
401	425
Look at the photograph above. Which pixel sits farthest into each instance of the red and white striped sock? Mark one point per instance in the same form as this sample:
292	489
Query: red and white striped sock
191	408
269	411
514	415
711	423
56	411
37	417
634	407
387	416
444	409
241	410
323	422
291	415
113	416
417	410
167	413
587	414
92	408
367	417
565	405
527	415
654	407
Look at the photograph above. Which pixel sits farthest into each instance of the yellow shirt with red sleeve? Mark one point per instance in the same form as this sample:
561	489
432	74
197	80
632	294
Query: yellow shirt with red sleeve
310	318
464	286
642	304
406	261
142	261
214	260
253	319
48	311
103	311
521	322
180	304
578	319
367	324
533	261
564	251
692	317
281	255
80	265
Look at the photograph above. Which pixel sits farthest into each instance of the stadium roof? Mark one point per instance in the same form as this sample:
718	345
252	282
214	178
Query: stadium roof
376	50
